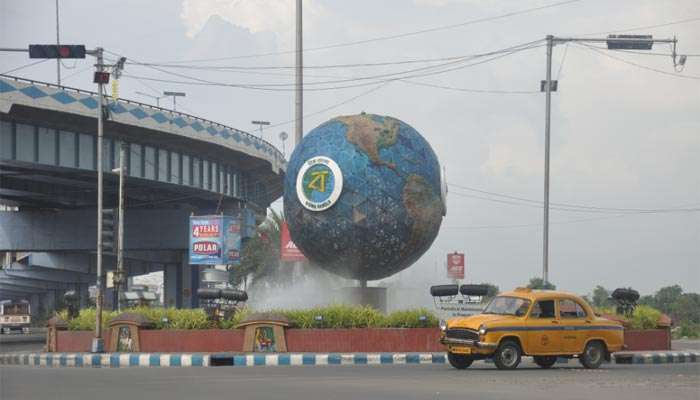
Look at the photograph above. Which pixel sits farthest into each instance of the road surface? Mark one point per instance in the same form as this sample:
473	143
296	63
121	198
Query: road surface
621	382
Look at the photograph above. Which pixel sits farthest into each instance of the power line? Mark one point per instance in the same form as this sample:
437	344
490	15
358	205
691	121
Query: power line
562	206
374	89
539	225
372	80
638	28
390	37
31	64
677	75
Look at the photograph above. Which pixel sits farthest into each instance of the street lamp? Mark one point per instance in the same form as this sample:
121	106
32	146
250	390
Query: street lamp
174	95
157	98
613	42
120	277
283	138
260	124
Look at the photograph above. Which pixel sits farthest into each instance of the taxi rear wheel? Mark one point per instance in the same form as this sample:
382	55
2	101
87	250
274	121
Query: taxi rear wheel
507	355
593	355
545	361
459	361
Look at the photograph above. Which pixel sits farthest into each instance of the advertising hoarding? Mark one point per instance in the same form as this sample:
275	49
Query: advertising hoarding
288	250
455	265
215	240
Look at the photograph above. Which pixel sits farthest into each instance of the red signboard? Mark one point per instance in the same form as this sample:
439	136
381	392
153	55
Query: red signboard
288	250
455	265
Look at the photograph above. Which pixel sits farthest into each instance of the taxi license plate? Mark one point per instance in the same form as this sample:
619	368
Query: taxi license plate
461	350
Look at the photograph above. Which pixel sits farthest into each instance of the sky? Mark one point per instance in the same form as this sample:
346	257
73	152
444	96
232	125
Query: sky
625	126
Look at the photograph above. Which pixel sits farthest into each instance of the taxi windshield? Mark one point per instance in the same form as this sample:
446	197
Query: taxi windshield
504	305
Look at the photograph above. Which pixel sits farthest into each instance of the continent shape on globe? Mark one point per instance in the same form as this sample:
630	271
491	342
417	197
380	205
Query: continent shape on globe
363	196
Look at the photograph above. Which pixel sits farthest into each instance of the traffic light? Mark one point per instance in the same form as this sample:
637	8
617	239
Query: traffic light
109	230
56	51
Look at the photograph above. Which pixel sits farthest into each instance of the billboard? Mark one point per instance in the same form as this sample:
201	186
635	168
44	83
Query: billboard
288	250
215	240
455	265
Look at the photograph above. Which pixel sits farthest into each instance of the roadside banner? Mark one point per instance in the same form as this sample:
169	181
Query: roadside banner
215	240
288	250
455	265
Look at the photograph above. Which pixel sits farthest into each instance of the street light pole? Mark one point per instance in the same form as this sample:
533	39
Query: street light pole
614	42
174	95
120	276
548	105
299	90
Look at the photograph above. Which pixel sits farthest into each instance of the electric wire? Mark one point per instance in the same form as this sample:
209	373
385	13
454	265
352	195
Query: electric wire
31	64
390	37
597	50
371	80
563	206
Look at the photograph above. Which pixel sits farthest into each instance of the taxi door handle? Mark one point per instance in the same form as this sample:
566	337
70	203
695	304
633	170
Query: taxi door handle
555	321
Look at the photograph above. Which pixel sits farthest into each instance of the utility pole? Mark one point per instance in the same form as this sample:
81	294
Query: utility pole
120	277
299	92
614	42
97	341
58	44
548	103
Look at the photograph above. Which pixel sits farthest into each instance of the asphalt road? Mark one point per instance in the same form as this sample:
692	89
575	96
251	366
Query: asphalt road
621	382
18	342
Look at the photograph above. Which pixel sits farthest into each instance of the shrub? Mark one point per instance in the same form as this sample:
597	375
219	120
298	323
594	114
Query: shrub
334	316
411	319
644	317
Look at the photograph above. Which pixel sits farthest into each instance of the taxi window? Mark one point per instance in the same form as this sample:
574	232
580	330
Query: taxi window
571	309
543	309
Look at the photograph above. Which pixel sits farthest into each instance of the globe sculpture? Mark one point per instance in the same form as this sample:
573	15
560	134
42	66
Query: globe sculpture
363	196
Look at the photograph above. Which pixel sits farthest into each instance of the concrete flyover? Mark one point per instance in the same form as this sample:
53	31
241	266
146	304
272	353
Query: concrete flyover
177	165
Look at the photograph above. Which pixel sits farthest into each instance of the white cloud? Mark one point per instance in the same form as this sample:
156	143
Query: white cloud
276	16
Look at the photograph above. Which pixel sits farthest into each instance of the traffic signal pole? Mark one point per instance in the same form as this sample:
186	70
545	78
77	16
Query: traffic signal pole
614	42
98	341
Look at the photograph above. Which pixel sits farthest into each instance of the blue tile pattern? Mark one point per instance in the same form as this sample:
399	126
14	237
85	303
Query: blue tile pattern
64	97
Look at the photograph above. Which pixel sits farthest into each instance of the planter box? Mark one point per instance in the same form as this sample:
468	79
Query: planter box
298	340
359	340
648	339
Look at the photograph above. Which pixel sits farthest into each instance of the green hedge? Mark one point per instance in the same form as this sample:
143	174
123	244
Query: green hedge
334	316
644	317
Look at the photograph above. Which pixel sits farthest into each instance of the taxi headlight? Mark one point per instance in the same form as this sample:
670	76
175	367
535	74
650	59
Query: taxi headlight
482	330
443	325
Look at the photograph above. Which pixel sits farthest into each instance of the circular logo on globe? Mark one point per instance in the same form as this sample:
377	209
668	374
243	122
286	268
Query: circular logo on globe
319	183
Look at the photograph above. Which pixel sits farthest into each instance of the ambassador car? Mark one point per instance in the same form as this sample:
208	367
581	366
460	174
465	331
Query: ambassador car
543	324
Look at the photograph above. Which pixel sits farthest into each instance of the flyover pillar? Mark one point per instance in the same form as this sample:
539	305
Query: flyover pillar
48	303
190	282
34	304
172	285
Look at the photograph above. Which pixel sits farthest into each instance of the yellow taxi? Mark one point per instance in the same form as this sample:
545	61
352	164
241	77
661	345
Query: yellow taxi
544	324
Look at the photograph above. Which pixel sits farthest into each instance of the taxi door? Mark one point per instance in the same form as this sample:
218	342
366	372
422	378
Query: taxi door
574	322
543	329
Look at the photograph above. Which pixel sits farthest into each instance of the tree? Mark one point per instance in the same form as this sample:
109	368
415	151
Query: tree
492	291
539	283
601	297
647	300
260	256
686	308
666	297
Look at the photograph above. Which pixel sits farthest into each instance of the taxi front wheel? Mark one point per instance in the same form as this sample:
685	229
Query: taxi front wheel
593	355
507	355
459	361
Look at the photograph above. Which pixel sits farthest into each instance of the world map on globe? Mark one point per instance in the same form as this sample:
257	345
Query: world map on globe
363	196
